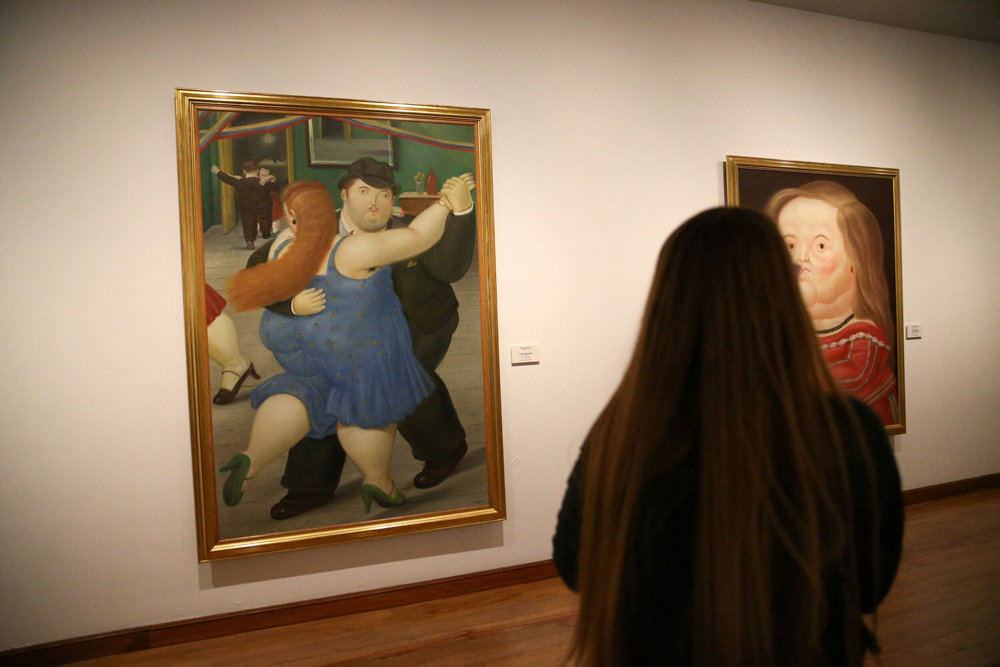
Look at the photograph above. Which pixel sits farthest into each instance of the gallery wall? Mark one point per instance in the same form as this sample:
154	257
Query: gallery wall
610	126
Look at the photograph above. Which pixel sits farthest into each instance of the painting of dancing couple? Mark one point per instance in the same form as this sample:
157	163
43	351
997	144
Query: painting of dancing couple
840	224
341	321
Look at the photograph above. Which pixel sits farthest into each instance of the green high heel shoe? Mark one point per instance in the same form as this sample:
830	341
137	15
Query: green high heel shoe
370	491
238	467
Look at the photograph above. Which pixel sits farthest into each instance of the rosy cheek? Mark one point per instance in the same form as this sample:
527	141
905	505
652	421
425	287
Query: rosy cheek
825	266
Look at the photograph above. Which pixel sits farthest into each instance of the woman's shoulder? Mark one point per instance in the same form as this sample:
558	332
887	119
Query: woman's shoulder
873	441
848	409
281	241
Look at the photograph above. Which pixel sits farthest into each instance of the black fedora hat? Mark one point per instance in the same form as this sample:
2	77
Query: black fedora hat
371	171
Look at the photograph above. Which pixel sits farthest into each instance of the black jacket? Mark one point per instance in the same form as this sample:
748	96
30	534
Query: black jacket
661	563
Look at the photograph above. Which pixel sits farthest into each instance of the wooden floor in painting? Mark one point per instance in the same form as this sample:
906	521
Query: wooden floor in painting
461	371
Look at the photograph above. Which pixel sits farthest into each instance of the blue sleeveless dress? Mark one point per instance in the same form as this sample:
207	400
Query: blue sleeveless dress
353	362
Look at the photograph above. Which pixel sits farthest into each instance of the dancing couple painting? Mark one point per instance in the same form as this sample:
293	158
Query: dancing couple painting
334	322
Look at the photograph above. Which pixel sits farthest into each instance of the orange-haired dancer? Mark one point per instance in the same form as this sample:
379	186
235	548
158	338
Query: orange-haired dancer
348	358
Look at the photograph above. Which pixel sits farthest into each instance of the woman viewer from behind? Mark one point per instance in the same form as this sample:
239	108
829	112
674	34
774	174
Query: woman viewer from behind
730	505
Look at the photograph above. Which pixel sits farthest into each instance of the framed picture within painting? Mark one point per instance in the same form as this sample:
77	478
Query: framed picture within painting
359	398
841	225
337	142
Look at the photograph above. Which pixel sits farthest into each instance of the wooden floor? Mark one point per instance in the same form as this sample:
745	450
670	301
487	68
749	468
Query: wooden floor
944	609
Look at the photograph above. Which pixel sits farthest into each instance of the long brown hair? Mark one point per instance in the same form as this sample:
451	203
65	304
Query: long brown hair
863	240
726	379
315	217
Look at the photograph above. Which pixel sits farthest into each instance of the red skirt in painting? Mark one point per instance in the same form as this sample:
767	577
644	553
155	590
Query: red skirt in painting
276	210
214	303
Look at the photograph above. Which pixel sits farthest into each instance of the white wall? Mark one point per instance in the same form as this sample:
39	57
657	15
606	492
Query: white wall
610	126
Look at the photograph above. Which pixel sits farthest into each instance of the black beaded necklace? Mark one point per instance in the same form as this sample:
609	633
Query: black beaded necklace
836	328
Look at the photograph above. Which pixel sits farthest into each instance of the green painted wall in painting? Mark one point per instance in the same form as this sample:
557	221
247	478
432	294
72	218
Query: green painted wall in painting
411	157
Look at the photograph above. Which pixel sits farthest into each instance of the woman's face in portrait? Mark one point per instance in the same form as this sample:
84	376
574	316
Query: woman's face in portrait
814	240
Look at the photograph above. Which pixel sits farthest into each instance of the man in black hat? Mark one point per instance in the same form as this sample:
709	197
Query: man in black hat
423	284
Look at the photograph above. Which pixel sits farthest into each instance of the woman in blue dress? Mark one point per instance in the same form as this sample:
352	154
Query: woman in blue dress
347	352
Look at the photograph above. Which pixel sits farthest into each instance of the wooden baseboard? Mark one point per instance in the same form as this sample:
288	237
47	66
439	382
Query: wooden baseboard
167	634
949	489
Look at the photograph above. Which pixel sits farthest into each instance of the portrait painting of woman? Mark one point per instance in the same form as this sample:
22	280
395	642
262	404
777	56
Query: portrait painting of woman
841	231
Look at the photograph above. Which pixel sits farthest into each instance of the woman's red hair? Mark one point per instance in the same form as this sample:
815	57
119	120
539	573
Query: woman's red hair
310	206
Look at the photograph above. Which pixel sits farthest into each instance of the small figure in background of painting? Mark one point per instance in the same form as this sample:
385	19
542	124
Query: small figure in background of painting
836	242
224	348
253	198
265	177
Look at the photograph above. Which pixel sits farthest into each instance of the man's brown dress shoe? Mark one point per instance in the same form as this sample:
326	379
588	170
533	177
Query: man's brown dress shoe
294	504
435	472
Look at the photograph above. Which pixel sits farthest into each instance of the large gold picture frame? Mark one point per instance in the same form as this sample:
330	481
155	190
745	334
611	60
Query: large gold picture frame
224	131
865	354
